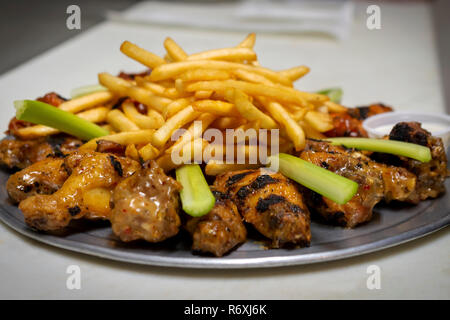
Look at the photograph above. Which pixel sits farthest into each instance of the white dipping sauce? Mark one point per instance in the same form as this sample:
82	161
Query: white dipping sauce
430	126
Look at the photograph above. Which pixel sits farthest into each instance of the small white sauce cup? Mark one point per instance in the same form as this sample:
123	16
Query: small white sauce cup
381	124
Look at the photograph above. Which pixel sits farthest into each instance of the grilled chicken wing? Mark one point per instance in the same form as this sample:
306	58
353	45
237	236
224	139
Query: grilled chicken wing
146	206
270	202
86	191
43	177
16	153
376	182
430	175
220	230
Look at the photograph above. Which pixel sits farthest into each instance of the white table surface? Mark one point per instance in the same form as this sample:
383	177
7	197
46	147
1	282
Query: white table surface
396	65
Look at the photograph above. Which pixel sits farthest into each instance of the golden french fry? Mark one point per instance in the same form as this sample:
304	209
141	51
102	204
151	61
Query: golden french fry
283	94
175	107
320	121
148	152
310	132
143	56
228	122
158	89
194	131
124	138
248	110
293	130
120	122
132	152
204	74
188	153
201	95
171	70
251	77
183	117
95	115
248	42
174	50
215	167
219	108
142	121
125	89
227	54
85	102
295	73
335	107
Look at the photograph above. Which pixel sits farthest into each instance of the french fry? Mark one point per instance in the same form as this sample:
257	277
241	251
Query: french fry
158	89
125	89
251	77
120	122
175	107
171	70
277	93
204	74
123	138
293	130
214	167
219	108
148	152
335	107
143	56
188	153
248	110
310	132
194	131
295	73
201	95
85	102
227	54
248	42
95	115
228	122
174	50
132	152
320	121
142	121
183	117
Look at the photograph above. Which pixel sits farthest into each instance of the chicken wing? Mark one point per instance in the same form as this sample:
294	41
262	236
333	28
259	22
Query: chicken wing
87	190
146	206
270	202
220	230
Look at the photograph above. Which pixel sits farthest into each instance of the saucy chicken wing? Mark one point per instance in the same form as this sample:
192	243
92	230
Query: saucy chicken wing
87	190
146	206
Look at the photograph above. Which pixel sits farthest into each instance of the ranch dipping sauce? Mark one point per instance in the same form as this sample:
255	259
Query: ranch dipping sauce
380	125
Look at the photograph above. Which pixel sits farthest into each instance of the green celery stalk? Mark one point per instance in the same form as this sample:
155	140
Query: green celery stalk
84	90
196	197
399	148
335	94
42	113
324	182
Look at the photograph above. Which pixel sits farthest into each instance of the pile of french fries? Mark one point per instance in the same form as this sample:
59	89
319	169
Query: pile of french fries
222	88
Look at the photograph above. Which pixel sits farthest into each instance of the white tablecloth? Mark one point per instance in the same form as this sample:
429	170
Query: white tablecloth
396	65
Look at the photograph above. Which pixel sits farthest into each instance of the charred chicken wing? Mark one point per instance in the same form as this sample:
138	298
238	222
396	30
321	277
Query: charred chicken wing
270	202
220	230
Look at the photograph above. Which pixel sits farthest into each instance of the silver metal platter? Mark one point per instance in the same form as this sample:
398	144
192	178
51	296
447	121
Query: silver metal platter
390	226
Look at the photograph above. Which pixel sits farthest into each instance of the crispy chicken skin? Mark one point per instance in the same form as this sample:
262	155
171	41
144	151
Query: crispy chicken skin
43	177
271	203
220	230
87	190
430	175
146	206
16	153
376	182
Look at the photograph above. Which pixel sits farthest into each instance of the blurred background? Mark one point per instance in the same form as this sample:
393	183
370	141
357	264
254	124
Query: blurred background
29	28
